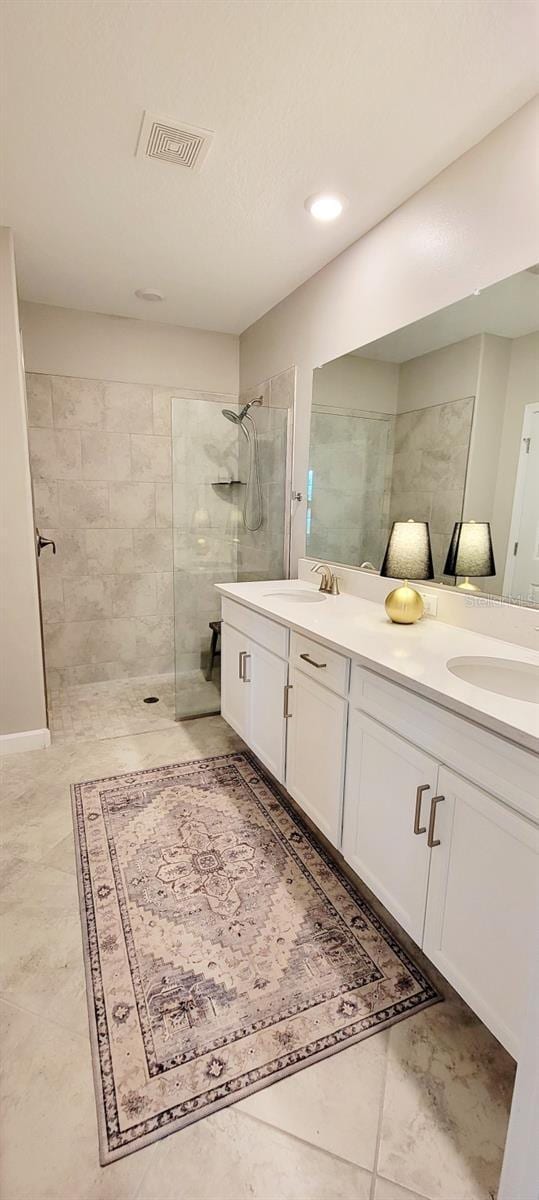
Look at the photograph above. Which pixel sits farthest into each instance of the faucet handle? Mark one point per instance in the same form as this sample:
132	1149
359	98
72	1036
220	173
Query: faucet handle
327	576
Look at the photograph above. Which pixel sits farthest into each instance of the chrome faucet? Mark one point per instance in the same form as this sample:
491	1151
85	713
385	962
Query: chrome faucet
329	582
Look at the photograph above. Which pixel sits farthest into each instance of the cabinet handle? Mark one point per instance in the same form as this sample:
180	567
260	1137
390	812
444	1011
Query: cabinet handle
312	663
244	676
241	662
431	840
287	690
424	787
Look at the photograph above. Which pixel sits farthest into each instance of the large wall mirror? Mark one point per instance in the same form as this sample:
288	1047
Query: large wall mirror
436	422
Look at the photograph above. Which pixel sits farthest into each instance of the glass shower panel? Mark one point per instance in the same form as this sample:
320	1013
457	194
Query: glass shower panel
230	523
264	553
205	531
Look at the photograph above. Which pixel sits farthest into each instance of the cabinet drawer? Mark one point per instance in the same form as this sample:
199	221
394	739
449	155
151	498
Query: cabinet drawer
326	666
267	633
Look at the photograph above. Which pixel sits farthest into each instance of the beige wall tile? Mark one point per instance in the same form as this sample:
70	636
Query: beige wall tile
164	593
154	634
87	597
77	403
132	505
152	549
75	643
150	457
109	551
133	595
70	558
128	408
52	598
282	389
162	411
55	454
39	399
46	501
163	505
83	505
106	456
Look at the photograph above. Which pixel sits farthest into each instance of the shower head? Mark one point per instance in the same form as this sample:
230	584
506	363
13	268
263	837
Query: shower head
237	418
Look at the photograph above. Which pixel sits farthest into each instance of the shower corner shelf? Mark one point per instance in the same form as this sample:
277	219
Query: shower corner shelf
228	483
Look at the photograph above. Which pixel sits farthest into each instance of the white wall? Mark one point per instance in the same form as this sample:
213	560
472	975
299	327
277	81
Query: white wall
355	382
472	225
440	376
64	341
22	694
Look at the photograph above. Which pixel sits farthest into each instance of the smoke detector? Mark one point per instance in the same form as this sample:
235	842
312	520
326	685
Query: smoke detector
173	141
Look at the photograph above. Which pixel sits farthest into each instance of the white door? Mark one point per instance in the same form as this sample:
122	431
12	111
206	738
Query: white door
234	691
522	572
482	911
267	676
389	788
315	752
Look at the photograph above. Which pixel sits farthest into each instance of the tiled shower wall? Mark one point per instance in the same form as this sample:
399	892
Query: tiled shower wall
100	457
429	469
348	491
369	472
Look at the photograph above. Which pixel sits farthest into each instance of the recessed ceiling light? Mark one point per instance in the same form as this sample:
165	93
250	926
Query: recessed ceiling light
148	294
325	206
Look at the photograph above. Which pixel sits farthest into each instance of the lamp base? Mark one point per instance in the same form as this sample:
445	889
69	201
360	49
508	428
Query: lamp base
466	586
404	606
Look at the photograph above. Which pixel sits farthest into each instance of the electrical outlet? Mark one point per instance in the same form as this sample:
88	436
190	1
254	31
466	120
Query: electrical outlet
430	602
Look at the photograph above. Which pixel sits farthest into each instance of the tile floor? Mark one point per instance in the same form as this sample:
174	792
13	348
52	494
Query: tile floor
417	1111
116	708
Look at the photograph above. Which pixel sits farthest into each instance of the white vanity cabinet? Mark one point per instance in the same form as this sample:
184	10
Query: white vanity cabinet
254	680
315	756
435	813
482	914
389	786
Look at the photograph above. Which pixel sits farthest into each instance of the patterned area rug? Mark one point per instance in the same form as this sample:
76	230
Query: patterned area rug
224	950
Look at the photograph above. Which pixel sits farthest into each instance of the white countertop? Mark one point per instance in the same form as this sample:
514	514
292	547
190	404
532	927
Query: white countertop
414	656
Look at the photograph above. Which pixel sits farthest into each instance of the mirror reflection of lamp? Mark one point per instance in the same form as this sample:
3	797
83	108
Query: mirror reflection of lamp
408	556
470	554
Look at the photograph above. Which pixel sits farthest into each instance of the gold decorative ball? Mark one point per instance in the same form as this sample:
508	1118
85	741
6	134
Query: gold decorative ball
404	605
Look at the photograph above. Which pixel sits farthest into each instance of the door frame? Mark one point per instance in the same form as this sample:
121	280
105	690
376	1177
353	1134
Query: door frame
518	498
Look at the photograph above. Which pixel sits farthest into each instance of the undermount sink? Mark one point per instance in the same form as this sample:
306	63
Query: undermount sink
506	676
298	597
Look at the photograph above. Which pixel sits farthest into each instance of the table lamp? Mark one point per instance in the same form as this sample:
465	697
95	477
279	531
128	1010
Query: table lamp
470	553
408	556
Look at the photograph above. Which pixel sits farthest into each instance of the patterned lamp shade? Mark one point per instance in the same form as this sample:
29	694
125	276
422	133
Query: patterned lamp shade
470	550
408	554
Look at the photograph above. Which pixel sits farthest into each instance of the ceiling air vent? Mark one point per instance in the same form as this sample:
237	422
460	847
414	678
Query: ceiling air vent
173	142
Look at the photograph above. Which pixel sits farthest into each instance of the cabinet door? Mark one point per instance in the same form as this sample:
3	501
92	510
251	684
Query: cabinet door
482	915
267	675
234	692
315	752
383	775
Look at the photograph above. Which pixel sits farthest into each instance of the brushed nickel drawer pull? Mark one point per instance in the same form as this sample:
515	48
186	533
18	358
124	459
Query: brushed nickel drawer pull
241	664
431	840
244	676
312	663
286	710
424	787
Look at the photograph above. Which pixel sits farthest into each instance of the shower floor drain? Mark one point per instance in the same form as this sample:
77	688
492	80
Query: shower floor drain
151	700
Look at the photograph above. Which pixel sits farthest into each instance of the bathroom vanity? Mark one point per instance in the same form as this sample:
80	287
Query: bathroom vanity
427	784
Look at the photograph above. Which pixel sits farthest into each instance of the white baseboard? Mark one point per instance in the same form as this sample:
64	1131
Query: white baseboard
28	739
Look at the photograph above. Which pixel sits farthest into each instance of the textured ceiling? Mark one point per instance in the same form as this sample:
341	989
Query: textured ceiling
369	98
